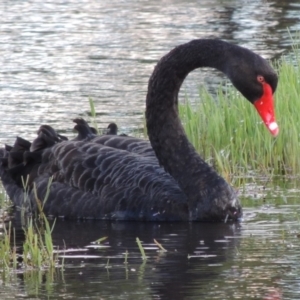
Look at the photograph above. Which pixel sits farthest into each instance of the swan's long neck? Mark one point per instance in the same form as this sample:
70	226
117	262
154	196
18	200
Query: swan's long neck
173	150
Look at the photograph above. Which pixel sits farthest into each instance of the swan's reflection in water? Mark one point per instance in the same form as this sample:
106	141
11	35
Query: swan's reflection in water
196	253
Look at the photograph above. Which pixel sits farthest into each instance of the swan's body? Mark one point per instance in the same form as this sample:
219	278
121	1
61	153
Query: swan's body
119	177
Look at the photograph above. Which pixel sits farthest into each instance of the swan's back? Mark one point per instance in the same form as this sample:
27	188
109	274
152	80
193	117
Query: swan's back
111	139
130	144
92	180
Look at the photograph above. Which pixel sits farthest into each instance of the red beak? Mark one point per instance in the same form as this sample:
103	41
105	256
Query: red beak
265	108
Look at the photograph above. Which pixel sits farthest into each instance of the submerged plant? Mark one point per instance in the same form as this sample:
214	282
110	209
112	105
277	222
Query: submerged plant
144	257
159	245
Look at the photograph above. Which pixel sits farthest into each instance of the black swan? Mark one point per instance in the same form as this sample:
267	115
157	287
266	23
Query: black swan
120	178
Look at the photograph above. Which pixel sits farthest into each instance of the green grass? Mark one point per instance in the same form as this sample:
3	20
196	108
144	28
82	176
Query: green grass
37	250
227	131
8	255
144	257
93	114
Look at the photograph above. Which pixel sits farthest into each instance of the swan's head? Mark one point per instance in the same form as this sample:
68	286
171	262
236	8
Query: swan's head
220	204
253	76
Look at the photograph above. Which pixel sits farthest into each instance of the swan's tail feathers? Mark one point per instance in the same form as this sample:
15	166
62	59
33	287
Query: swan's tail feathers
20	162
47	137
85	132
13	190
112	129
14	158
20	145
8	147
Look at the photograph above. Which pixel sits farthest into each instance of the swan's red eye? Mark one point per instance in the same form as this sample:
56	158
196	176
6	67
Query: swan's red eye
260	79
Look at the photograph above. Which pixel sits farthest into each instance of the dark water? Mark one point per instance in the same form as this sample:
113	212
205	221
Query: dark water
255	259
54	55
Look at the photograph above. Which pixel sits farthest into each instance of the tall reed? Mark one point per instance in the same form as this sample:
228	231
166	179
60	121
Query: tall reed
38	248
8	255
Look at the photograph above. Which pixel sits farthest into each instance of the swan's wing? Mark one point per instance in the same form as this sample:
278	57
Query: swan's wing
91	180
130	144
111	139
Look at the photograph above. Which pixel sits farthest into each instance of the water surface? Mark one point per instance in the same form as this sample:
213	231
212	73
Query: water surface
56	54
255	259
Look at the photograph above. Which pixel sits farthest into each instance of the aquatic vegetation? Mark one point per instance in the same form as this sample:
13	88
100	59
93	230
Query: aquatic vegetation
8	255
99	241
126	257
144	257
38	248
93	114
161	248
2	196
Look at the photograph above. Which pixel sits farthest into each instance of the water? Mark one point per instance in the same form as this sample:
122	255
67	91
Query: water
255	259
56	54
